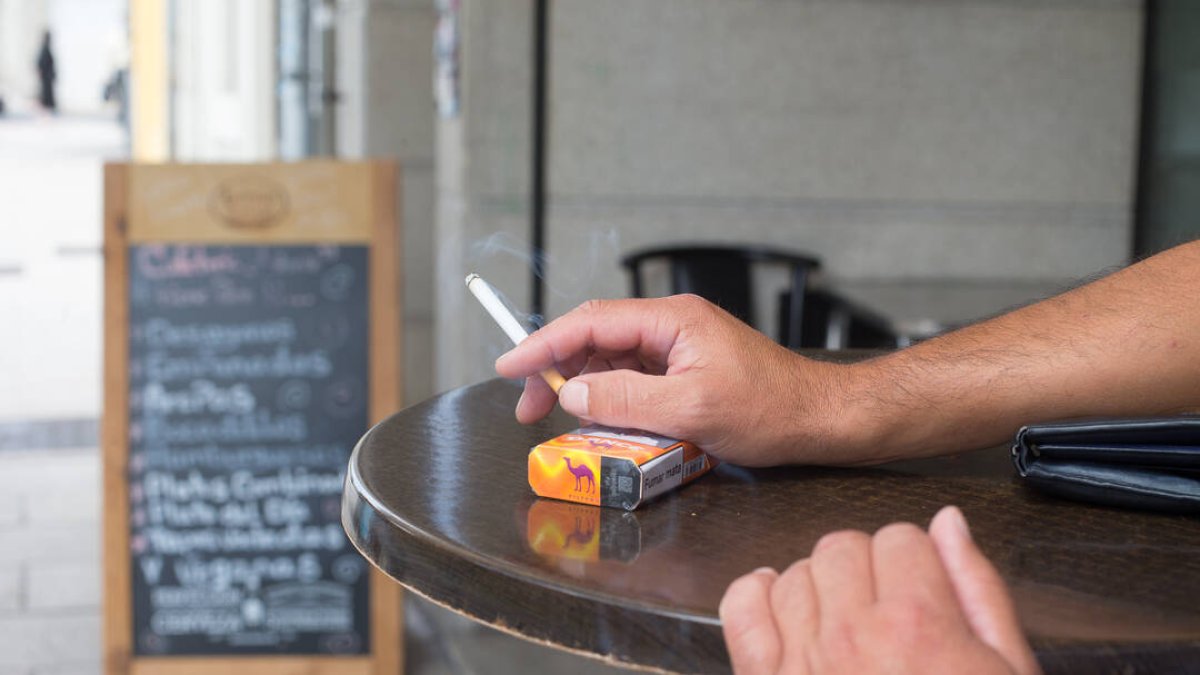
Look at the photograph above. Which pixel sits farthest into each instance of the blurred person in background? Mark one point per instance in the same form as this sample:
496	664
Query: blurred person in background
47	75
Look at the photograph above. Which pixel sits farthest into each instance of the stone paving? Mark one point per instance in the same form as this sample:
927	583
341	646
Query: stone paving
49	562
50	266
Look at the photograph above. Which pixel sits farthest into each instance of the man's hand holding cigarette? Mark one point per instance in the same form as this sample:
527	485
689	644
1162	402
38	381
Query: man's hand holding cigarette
684	368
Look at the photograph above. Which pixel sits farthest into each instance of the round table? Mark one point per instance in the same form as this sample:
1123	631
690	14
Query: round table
437	497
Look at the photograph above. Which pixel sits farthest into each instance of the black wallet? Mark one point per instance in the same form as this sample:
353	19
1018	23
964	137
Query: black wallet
1132	463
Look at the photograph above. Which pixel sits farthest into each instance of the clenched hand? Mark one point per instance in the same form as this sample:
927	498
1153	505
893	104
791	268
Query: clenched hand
901	601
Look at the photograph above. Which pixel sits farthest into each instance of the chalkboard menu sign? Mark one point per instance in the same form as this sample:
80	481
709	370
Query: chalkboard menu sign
247	374
242	365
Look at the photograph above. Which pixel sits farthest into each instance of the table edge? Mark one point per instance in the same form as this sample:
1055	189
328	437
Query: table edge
354	481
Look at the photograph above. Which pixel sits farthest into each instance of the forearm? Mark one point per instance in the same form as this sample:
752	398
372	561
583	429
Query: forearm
1128	344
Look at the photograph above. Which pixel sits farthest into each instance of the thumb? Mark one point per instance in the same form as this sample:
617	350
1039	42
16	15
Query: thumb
981	592
626	398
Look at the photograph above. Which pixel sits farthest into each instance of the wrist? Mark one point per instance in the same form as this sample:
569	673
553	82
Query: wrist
860	428
835	419
896	408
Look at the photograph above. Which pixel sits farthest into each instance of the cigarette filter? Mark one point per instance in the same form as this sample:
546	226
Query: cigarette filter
500	313
613	467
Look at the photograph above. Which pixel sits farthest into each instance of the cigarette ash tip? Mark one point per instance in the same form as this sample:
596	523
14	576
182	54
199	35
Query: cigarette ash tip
471	277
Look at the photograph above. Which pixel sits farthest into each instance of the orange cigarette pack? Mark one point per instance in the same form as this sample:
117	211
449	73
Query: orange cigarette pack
613	467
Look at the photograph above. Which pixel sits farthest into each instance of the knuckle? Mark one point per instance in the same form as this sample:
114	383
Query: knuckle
617	400
838	540
593	306
692	306
538	342
900	534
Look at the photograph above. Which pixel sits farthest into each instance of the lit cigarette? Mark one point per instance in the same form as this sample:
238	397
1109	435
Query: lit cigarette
487	297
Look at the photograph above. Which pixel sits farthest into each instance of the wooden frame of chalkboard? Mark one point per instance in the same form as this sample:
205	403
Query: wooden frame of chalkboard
202	261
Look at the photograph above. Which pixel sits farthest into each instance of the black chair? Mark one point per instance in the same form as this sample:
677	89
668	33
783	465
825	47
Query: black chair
722	274
833	322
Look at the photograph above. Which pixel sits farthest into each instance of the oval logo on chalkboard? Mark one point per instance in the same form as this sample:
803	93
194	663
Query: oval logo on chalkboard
249	202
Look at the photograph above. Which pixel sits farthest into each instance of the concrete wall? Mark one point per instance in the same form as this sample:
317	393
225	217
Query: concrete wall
386	111
483	184
893	139
896	139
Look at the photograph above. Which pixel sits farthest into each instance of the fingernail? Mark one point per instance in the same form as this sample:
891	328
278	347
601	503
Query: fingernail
768	571
960	522
574	397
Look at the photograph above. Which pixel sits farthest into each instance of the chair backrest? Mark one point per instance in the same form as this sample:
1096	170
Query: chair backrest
832	322
723	275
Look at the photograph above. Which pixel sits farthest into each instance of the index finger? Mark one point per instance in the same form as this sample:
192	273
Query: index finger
907	567
646	326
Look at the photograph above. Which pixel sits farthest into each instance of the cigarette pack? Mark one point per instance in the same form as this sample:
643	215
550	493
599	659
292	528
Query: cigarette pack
613	467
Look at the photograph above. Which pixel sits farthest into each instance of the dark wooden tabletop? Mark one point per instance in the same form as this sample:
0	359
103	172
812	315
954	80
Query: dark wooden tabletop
437	497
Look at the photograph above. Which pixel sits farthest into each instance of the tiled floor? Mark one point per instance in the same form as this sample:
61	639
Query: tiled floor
50	562
50	266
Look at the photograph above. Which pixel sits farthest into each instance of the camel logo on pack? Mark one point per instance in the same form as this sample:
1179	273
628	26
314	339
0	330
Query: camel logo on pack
583	473
249	202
